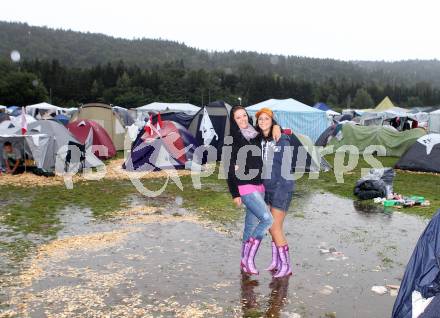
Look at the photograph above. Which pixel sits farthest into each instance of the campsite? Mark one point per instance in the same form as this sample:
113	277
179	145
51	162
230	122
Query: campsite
171	159
74	247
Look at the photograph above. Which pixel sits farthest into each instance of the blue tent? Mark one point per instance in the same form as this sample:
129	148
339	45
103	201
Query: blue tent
290	113
422	273
62	119
14	110
322	106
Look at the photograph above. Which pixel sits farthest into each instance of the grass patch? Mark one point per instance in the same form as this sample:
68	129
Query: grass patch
406	183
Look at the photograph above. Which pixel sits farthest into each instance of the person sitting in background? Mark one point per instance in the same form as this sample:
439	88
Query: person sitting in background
12	159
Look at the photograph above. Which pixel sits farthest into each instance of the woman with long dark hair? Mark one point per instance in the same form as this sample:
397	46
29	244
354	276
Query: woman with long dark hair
246	185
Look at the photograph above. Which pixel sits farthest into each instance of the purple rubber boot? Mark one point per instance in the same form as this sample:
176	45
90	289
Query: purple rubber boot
249	263
285	268
244	255
274	265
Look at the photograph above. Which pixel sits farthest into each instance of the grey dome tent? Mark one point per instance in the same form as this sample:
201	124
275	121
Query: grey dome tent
218	112
424	155
48	139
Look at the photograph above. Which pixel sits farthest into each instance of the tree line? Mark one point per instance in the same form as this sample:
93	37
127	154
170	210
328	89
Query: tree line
130	86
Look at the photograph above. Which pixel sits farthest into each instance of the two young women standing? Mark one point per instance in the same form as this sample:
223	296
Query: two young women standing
266	197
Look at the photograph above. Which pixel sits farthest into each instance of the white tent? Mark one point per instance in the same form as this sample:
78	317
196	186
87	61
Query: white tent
156	107
38	110
434	122
290	113
16	120
176	107
7	127
2	108
377	118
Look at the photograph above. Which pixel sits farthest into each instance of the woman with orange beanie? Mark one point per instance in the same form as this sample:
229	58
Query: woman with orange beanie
279	190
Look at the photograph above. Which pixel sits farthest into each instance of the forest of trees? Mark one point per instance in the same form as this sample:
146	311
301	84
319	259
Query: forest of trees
69	68
30	82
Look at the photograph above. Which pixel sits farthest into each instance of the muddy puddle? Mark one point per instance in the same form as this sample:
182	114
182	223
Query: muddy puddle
164	262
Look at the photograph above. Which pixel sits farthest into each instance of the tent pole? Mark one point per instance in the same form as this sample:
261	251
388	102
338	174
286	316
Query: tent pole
24	153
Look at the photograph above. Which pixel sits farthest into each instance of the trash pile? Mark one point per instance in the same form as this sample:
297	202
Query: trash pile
378	185
400	201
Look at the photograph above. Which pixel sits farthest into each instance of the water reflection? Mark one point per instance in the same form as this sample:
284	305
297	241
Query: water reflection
254	305
366	207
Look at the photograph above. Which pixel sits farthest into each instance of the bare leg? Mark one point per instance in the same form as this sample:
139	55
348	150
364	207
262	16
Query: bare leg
276	231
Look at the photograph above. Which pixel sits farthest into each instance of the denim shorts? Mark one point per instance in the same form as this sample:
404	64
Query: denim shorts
278	199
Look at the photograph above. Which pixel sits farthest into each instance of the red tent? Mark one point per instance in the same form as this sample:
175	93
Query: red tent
81	129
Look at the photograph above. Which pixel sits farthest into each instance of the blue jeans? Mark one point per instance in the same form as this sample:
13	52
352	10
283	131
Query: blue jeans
258	217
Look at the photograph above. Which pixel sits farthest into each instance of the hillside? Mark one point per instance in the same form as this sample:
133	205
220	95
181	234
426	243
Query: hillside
76	49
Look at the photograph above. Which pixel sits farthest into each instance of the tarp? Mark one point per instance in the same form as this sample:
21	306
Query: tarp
396	143
290	113
422	273
434	122
385	104
423	156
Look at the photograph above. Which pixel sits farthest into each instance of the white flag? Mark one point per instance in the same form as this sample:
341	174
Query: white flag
23	121
208	131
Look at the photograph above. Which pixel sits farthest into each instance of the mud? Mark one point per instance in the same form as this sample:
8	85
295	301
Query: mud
165	262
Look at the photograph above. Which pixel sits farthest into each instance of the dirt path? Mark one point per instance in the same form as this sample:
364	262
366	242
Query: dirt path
149	263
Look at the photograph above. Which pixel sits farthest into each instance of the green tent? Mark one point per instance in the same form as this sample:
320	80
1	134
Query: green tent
385	104
395	142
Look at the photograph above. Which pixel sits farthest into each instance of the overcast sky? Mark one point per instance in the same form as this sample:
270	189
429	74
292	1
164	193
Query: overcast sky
341	29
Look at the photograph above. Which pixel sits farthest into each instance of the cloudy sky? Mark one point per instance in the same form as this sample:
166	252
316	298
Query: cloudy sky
341	29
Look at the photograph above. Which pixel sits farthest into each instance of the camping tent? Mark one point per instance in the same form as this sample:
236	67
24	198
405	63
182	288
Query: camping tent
293	114
331	132
24	144
321	106
17	120
218	113
82	128
434	122
324	107
158	107
378	118
14	110
47	140
162	107
8	127
419	290
305	157
395	142
172	146
62	119
124	115
2	109
106	117
385	104
43	110
4	116
424	155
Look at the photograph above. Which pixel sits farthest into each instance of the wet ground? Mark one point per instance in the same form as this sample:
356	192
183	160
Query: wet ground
165	262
